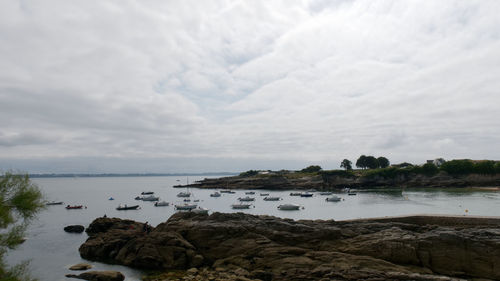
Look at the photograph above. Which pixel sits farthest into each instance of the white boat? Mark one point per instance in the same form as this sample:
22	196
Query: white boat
227	191
215	194
250	192
241	206
246	199
200	210
186	207
306	194
272	198
333	199
326	193
288	207
150	198
161	204
184	194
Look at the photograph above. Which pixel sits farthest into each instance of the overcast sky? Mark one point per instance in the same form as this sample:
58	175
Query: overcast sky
197	86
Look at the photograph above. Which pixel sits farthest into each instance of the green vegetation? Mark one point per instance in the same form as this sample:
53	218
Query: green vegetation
311	169
249	173
383	162
371	162
346	164
20	200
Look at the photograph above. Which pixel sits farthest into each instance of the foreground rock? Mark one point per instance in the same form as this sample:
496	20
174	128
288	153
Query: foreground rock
80	266
270	248
99	276
74	228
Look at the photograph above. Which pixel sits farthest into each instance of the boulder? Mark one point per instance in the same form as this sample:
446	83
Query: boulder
270	248
80	266
74	228
107	275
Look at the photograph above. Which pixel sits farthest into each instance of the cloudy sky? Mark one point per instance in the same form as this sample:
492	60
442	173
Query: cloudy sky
197	86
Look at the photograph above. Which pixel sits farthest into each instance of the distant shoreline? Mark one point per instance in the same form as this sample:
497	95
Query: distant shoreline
69	175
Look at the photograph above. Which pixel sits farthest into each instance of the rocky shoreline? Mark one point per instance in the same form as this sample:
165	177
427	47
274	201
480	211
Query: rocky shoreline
247	247
326	181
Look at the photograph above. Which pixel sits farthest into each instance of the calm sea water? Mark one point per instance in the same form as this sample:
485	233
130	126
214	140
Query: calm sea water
52	251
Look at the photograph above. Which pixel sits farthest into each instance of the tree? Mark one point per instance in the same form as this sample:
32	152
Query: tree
311	169
346	164
361	162
383	162
371	162
20	201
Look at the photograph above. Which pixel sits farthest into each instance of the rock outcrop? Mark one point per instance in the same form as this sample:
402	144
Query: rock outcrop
80	266
107	275
74	228
270	248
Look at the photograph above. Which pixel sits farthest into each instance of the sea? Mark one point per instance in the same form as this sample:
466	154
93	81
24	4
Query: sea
50	250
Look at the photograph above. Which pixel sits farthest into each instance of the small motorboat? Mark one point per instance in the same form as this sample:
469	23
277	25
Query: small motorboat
246	199
288	207
125	207
138	197
264	194
333	199
69	207
184	194
272	198
196	200
200	210
186	207
326	193
215	194
240	206
150	198
187	200
147	193
306	194
161	204
295	193
54	203
250	192
227	191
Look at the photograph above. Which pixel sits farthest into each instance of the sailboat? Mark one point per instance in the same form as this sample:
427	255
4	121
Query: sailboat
185	193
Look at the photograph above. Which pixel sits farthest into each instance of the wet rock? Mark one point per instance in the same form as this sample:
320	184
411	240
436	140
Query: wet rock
74	228
99	276
411	248
80	266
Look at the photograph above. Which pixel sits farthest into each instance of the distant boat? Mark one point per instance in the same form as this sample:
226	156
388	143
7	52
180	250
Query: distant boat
200	210
147	193
184	194
250	192
333	199
239	206
350	192
227	191
306	194
187	200
215	194
246	199
264	194
54	203
150	198
288	207
186	207
138	197
295	193
111	198
326	193
272	198
69	207
125	207
161	204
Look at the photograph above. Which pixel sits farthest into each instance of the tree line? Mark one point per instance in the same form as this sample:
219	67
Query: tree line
366	162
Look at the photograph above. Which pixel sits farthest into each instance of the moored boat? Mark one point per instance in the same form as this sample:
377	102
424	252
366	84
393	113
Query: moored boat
288	207
150	198
147	192
272	198
185	207
240	206
306	194
184	194
250	192
326	193
295	193
227	191
200	210
125	207
54	203
161	204
246	199
69	207
333	199
264	194
215	194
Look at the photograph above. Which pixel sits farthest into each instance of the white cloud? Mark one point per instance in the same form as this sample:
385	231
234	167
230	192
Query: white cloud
313	81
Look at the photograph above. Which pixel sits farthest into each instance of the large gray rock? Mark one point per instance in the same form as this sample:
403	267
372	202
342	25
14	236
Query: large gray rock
270	248
74	228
